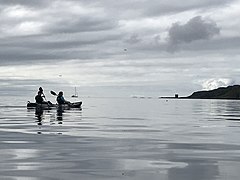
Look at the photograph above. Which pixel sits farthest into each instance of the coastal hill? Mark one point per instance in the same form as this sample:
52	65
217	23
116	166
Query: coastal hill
230	92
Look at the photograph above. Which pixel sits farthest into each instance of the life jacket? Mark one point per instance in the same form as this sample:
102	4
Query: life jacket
60	100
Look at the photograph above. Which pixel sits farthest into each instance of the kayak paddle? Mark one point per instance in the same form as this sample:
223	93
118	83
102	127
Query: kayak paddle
53	93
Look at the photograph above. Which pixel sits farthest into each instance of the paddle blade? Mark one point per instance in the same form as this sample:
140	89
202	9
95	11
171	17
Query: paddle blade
53	93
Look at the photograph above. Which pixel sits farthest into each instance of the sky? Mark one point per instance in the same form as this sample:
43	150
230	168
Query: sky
137	47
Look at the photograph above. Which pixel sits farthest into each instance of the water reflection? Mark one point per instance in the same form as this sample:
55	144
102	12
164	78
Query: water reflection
39	119
51	121
216	110
39	122
54	116
196	169
60	111
182	140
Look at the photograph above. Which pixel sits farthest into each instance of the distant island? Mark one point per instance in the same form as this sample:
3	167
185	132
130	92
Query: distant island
230	92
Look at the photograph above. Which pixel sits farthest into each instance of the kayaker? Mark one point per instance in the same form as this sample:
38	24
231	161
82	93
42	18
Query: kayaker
60	99
39	98
40	90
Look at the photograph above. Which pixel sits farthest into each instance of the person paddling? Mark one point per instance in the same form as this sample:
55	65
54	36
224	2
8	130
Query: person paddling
39	104
39	98
60	99
40	90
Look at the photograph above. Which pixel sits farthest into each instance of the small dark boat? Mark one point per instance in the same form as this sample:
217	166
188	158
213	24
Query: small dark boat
49	105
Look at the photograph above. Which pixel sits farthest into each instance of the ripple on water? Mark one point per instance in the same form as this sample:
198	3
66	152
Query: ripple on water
116	139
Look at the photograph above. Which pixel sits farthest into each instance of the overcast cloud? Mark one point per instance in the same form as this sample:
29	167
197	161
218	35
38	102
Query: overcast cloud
195	29
172	46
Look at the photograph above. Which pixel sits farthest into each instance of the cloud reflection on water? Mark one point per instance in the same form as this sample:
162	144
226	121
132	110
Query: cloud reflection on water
123	138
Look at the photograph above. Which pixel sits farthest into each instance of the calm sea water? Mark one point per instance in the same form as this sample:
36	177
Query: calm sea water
122	138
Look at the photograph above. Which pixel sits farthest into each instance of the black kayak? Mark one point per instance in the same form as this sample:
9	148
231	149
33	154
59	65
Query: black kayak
49	105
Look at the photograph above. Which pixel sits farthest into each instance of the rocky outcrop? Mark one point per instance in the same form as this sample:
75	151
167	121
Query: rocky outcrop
230	92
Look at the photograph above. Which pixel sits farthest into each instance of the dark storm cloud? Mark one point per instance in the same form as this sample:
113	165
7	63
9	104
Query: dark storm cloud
195	29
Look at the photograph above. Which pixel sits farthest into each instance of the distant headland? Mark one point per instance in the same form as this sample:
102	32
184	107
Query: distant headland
230	92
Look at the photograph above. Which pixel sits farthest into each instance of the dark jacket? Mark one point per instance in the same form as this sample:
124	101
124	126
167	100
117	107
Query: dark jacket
39	99
60	100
